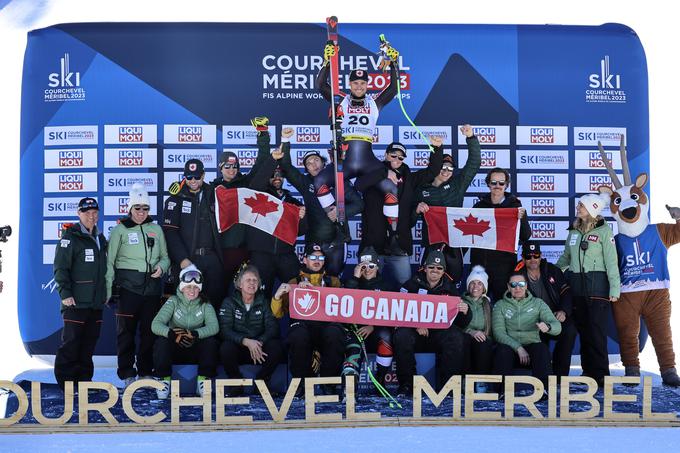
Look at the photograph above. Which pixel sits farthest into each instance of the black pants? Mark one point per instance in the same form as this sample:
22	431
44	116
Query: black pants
214	285
283	266
327	338
479	355
135	310
203	352
590	316
335	257
506	358
448	344
78	340
233	355
564	346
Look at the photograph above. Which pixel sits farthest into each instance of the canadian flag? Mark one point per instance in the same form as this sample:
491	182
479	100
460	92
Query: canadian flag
482	228
257	209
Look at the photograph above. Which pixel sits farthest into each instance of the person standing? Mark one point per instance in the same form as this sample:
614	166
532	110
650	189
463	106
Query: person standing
137	259
80	274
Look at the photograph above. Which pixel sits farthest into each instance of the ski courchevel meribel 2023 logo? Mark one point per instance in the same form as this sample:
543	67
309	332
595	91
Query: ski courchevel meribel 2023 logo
605	86
64	85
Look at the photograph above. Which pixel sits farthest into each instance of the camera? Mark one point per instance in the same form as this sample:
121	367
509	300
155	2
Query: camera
5	232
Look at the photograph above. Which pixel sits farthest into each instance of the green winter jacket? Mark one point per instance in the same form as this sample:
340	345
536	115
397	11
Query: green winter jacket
191	315
131	261
595	272
237	323
481	314
514	321
80	268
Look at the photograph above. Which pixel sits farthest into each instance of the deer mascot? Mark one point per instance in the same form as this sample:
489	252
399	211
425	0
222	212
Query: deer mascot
642	250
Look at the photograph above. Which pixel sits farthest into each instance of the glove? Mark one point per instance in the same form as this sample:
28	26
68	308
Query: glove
328	52
674	212
391	53
260	123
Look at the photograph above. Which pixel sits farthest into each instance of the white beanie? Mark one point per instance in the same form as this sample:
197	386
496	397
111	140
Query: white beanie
479	274
182	284
138	196
594	203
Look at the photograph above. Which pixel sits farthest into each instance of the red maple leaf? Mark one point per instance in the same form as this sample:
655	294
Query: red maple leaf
472	226
260	204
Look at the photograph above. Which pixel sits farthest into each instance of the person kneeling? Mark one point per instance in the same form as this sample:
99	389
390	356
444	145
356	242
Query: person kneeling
186	326
248	329
517	321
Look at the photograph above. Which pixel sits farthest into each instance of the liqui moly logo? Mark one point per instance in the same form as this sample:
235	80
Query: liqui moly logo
189	134
605	79
65	78
543	230
485	134
595	181
71	182
540	206
421	158
595	160
130	134
541	135
247	157
542	183
489	159
130	158
72	158
308	134
123	205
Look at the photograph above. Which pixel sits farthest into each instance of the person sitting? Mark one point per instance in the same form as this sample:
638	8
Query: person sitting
517	321
478	340
248	329
447	343
186	326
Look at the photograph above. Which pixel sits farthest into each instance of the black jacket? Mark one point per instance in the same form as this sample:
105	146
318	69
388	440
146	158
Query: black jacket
446	287
80	268
237	323
555	284
374	284
375	228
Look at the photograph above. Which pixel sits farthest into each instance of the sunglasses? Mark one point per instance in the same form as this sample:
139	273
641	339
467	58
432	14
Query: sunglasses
316	258
439	268
229	166
497	183
192	276
141	208
517	284
370	265
532	256
397	156
447	168
191	177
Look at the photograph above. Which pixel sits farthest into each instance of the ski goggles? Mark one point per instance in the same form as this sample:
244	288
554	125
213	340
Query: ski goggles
192	277
316	257
517	284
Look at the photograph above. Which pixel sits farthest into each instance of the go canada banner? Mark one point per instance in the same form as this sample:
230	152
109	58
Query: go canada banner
373	308
107	105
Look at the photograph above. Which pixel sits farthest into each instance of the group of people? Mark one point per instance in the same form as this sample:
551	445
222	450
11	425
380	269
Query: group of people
227	307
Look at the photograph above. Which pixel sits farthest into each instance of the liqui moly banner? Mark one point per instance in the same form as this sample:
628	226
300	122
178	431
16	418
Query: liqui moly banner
482	228
374	308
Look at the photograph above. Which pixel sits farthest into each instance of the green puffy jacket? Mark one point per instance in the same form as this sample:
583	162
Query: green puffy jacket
514	321
595	271
237	323
481	314
185	314
80	268
131	260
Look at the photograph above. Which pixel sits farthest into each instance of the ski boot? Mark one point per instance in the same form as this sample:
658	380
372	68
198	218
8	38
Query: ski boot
670	378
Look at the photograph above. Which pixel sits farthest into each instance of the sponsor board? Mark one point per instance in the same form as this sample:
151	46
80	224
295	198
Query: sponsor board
542	135
417	255
310	134
478	184
177	176
108	226
351	253
52	229
71	135
542	183
608	136
488	135
115	134
176	158
244	135
130	158
61	207
408	135
355	229
469	202
543	207
550	252
49	250
122	182
542	159
383	135
604	86
591	182
70	158
118	205
248	156
65	84
591	160
417	230
491	158
180	134
545	230
71	182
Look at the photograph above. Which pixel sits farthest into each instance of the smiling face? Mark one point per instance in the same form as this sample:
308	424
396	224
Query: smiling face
195	183
314	165
476	289
358	88
89	218
497	184
434	273
249	284
139	213
518	287
395	158
191	292
229	172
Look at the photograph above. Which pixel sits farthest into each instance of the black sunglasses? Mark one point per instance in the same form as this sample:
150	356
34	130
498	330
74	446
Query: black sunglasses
397	156
447	168
141	208
229	166
191	177
439	268
497	183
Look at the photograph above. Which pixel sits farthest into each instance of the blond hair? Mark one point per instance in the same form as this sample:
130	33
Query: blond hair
588	224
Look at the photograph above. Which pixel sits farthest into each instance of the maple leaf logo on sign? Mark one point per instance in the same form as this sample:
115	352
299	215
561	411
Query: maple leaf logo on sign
307	301
472	226
260	204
